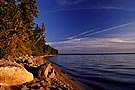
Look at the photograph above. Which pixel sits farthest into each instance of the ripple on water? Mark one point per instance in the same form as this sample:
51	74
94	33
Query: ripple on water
99	72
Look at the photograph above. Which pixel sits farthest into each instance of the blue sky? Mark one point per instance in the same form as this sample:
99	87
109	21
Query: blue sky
89	26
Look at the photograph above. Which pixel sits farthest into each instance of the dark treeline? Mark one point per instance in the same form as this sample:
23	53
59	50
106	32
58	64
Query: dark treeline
19	35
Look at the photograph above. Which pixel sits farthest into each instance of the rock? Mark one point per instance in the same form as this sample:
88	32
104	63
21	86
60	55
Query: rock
13	74
35	62
31	61
46	76
46	71
49	72
24	87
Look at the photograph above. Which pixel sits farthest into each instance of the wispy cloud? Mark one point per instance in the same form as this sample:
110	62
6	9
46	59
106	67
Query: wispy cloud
108	29
81	34
89	45
76	44
93	8
117	8
68	2
95	32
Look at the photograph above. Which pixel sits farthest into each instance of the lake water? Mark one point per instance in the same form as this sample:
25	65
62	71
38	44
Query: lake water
99	72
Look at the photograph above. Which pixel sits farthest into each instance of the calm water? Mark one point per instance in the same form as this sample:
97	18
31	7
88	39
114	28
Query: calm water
99	72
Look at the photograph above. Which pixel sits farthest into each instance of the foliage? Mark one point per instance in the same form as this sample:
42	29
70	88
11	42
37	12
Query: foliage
50	50
3	52
16	22
38	40
18	33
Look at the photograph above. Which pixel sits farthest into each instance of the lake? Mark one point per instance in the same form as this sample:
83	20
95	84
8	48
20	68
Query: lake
99	72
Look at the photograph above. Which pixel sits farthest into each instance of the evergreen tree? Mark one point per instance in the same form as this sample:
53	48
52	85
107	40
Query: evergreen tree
38	40
16	21
18	35
50	50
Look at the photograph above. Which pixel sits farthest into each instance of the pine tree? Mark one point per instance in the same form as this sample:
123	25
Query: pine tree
16	22
38	40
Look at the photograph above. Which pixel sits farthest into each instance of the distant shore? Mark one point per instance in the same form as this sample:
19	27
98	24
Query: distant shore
93	53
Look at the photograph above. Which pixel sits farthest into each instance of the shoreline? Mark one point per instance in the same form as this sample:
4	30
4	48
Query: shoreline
66	74
47	76
70	77
48	55
63	73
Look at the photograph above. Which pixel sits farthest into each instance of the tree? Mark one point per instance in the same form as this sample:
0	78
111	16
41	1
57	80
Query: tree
38	40
18	34
16	23
50	50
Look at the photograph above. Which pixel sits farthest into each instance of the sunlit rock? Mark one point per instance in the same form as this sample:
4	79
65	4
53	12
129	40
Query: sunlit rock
46	71
13	74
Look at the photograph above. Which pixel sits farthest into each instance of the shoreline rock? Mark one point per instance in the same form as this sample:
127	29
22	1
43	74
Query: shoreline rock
46	76
13	74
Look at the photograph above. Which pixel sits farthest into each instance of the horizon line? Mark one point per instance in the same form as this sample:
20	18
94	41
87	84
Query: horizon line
94	53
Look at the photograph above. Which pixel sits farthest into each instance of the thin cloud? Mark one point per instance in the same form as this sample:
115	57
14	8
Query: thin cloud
68	2
96	45
112	28
91	32
92	8
118	8
81	34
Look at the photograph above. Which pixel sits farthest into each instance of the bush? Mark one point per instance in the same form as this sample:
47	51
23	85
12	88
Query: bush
3	52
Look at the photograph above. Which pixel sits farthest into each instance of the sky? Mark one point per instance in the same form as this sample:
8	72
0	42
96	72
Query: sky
89	26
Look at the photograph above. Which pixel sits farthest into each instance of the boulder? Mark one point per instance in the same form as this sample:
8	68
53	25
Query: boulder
31	61
13	74
46	71
35	62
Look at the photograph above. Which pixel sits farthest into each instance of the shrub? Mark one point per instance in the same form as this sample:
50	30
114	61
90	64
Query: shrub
3	52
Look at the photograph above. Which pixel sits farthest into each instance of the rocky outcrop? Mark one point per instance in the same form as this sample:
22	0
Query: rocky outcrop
46	77
30	61
46	71
13	74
